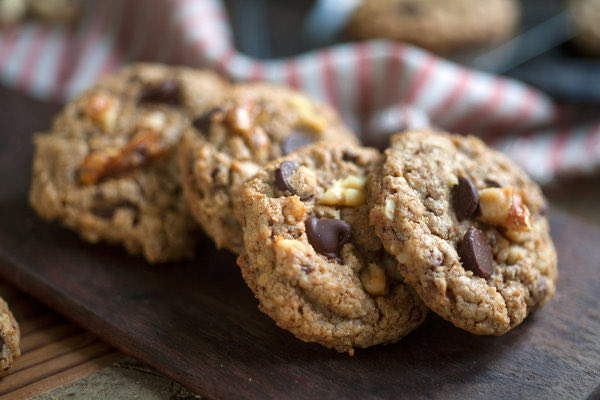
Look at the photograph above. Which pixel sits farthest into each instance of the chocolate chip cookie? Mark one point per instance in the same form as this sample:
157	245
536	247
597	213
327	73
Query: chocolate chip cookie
467	228
107	168
585	15
52	11
313	261
441	26
10	338
228	144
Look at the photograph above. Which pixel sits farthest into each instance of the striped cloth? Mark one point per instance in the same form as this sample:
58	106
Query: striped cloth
372	84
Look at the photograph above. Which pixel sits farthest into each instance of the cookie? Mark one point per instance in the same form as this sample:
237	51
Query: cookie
107	167
10	338
52	11
585	14
467	228
55	11
12	11
227	145
441	26
312	259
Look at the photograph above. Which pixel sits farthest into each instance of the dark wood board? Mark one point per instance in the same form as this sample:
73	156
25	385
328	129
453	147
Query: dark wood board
199	324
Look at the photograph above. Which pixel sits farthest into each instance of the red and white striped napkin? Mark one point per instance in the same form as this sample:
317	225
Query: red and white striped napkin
375	85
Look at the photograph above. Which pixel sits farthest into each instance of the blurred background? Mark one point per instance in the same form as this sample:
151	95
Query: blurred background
540	52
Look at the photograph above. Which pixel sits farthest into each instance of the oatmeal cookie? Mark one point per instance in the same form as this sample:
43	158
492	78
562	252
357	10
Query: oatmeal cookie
441	26
467	228
586	16
313	261
107	168
227	145
10	338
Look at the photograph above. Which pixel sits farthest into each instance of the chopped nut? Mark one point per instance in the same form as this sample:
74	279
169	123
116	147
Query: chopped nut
390	208
373	279
286	248
515	253
293	210
102	110
503	207
143	148
307	115
262	279
403	258
452	180
154	122
260	144
241	117
350	191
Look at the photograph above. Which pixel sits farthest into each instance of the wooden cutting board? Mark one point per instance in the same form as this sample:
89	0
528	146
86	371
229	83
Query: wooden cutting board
199	324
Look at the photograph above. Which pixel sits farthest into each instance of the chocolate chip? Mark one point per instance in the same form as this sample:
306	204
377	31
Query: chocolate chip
167	92
465	198
107	212
285	170
203	122
307	269
328	236
475	253
349	156
294	141
378	140
492	183
409	8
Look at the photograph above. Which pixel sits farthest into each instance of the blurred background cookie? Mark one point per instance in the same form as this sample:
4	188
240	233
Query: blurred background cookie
52	11
586	17
440	26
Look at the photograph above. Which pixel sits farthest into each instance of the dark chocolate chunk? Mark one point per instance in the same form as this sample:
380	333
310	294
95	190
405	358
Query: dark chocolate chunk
203	122
465	198
350	156
307	269
167	92
409	8
475	253
492	183
327	236
285	170
378	140
108	211
294	141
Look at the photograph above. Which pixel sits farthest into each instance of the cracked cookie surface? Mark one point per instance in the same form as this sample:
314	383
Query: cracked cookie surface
106	168
227	145
313	261
10	339
441	26
467	228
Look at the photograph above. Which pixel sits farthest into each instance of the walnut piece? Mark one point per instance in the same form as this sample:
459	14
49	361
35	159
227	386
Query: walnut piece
307	115
373	280
390	208
241	118
350	191
293	210
154	121
102	109
144	147
503	207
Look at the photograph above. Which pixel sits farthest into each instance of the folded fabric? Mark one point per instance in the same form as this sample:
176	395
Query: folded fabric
376	86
